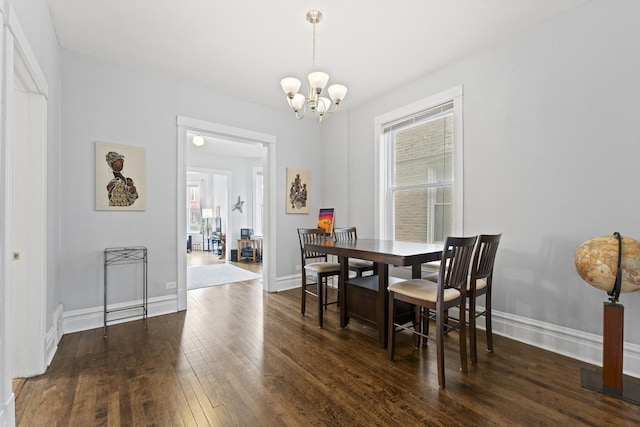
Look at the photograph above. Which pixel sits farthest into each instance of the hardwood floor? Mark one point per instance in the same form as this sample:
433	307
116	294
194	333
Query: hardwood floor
240	356
203	258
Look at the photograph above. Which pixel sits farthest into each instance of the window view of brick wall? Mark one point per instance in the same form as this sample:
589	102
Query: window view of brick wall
423	181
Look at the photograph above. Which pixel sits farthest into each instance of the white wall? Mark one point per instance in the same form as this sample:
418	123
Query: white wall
551	148
337	163
112	103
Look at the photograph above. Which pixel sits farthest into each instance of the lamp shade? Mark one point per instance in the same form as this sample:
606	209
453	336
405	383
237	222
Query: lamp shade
207	213
318	80
290	86
337	92
323	105
298	102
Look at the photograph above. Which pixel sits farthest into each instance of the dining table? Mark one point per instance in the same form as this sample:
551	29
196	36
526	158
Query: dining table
384	254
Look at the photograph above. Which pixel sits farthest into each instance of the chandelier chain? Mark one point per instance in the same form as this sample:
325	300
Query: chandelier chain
313	63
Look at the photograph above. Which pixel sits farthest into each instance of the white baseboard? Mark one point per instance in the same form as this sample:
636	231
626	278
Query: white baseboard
285	283
91	318
50	345
558	339
54	334
8	412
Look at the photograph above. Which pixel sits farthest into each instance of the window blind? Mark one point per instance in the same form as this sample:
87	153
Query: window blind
419	117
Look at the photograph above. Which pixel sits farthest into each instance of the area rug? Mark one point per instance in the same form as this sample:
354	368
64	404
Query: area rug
201	276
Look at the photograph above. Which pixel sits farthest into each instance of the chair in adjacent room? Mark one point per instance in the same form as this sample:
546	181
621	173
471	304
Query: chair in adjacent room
480	283
448	292
359	266
315	264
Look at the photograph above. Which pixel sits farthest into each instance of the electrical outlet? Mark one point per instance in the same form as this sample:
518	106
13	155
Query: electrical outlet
298	267
170	285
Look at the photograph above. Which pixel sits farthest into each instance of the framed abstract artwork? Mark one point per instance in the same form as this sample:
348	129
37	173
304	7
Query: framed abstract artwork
325	219
298	194
120	177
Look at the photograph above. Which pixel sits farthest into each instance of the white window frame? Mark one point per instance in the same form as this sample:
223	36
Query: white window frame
198	185
383	195
258	201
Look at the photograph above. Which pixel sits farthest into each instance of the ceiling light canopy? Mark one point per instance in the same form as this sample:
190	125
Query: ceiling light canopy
198	140
320	105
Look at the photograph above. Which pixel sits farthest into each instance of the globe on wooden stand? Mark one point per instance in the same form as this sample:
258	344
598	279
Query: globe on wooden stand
611	263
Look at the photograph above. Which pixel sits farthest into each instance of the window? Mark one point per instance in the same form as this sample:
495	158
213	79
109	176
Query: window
258	200
420	170
194	213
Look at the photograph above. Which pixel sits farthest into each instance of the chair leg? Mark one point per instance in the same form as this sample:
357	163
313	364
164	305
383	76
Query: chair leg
417	325
326	292
445	321
424	326
462	334
440	345
303	298
391	333
487	317
472	329
319	286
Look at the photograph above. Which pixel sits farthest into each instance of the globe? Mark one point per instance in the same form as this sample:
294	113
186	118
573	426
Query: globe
597	261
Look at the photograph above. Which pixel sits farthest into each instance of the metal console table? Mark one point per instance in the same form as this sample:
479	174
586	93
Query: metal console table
119	256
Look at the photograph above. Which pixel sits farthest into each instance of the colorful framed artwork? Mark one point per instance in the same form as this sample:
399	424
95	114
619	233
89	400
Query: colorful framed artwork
325	220
120	177
298	194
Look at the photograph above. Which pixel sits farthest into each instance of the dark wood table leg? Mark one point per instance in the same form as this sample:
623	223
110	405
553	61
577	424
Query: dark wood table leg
342	290
416	271
382	313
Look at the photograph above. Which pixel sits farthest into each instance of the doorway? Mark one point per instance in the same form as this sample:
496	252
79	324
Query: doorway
28	205
207	209
23	288
236	136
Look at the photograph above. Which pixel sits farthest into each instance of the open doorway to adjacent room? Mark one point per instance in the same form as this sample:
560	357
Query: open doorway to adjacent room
241	139
207	216
223	210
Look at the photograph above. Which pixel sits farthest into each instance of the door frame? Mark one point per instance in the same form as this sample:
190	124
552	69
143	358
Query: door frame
19	65
268	142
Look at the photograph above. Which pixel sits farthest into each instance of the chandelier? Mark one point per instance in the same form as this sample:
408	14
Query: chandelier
318	104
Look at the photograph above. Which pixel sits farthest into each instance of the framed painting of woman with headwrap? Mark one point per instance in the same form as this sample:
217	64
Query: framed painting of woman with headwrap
120	177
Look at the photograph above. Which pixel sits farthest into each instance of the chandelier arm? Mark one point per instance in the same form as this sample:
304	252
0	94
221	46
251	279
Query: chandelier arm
300	113
335	108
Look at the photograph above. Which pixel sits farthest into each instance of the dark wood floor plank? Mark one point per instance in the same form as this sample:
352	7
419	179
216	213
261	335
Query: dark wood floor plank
240	356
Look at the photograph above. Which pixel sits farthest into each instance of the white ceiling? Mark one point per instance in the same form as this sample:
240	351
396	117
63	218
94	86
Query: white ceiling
244	48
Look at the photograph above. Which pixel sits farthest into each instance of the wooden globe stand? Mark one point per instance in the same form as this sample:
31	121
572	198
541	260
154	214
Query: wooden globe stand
610	380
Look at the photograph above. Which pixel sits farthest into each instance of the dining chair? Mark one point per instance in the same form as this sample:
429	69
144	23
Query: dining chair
359	266
448	292
317	265
480	283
